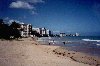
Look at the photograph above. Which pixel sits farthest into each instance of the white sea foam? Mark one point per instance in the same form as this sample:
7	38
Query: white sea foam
90	40
53	41
98	44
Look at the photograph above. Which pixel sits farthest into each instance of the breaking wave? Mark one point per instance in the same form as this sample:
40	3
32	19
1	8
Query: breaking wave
90	40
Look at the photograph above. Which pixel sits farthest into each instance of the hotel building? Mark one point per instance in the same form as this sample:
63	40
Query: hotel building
25	30
42	31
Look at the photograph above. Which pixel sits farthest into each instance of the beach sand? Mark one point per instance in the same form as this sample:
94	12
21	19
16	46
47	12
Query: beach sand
78	56
27	52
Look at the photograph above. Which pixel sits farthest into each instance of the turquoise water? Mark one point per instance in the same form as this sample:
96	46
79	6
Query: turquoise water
86	44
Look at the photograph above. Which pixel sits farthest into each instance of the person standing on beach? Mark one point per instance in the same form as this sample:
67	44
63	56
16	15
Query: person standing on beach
53	42
64	43
49	42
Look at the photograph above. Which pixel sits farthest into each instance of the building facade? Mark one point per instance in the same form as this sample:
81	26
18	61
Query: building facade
25	30
42	31
62	34
48	32
36	29
77	34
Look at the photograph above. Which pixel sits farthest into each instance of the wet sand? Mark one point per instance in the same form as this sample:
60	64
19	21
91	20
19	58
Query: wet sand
78	56
27	52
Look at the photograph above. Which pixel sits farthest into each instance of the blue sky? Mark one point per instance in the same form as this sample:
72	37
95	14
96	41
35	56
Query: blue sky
81	16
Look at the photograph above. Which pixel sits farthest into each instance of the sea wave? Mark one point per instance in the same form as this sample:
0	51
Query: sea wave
90	40
98	44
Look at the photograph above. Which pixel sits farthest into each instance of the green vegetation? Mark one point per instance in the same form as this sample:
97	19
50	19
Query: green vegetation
9	32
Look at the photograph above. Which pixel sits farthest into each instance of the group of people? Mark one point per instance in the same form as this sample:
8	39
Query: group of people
54	42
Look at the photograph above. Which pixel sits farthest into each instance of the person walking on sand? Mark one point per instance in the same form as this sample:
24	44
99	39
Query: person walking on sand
49	42
64	42
53	42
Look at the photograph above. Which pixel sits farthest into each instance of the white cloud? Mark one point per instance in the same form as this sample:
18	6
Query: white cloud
33	1
12	20
56	31
21	4
33	12
6	18
26	4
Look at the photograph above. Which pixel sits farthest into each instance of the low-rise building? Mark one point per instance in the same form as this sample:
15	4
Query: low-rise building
62	34
77	34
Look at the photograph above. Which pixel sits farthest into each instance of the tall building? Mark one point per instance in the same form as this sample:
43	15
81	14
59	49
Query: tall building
42	31
48	32
25	29
36	29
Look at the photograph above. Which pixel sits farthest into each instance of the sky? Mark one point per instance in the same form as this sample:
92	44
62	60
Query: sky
70	16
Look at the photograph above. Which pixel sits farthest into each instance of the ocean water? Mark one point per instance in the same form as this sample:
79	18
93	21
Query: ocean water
85	44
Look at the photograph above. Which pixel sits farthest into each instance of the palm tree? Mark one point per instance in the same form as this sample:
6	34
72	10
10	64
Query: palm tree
15	25
4	33
15	32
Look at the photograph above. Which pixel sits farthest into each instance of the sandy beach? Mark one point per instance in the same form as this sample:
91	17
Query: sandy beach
27	52
78	56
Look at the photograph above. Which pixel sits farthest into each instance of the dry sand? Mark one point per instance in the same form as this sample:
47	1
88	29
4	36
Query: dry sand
29	53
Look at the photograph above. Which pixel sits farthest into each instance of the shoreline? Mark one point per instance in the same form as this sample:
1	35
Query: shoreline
78	56
28	52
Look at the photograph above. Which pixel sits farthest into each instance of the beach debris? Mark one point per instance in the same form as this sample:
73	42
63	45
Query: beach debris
80	58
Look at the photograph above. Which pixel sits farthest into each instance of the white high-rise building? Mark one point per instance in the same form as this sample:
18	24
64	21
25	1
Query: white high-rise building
25	29
48	32
36	29
42	31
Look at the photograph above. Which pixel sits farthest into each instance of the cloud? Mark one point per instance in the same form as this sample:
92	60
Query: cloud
26	4
6	18
33	12
56	31
21	4
33	1
12	20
